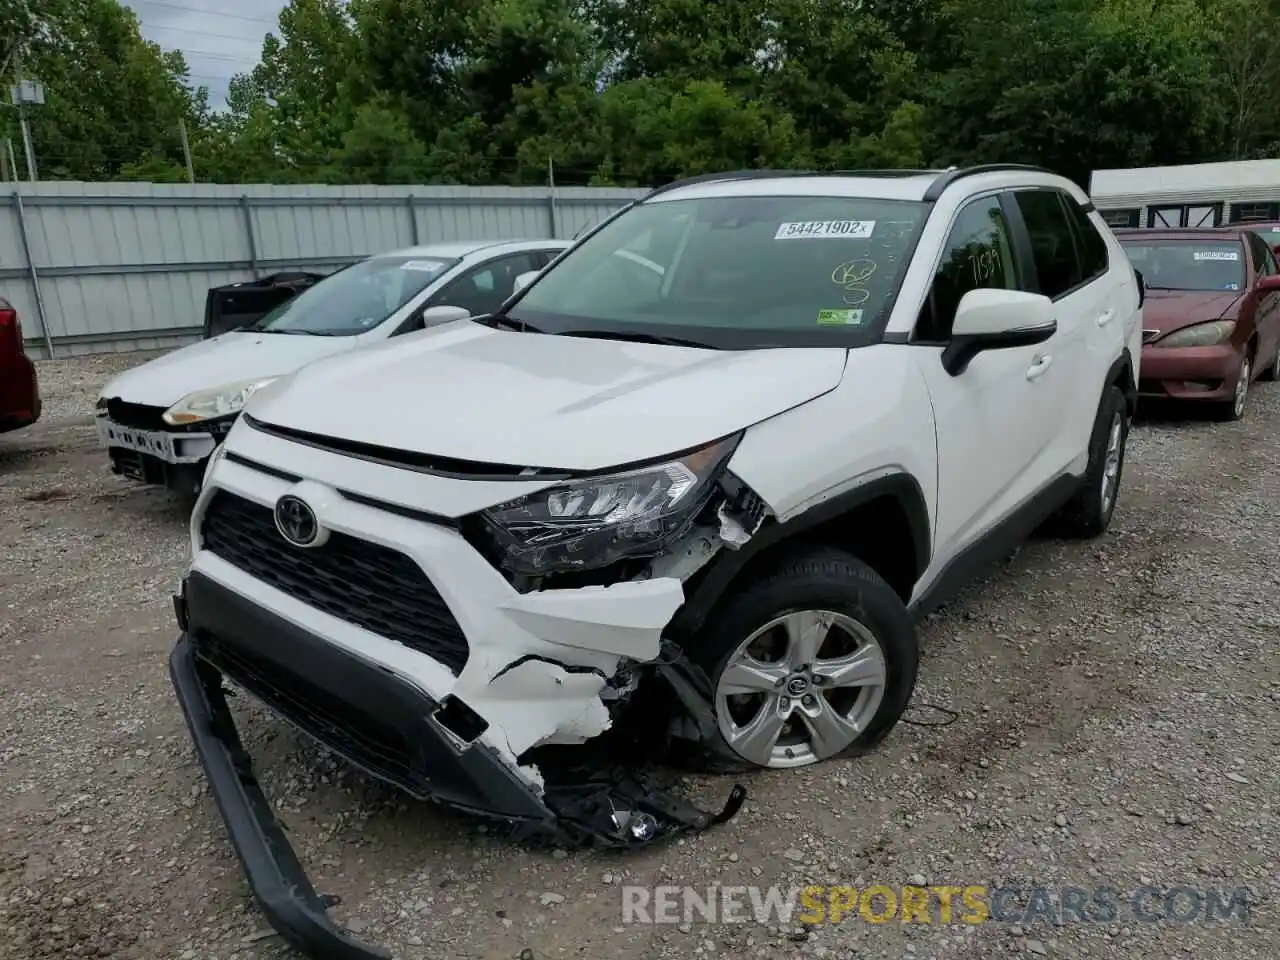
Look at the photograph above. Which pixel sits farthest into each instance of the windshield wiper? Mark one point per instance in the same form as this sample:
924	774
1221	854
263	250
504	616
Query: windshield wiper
636	337
500	321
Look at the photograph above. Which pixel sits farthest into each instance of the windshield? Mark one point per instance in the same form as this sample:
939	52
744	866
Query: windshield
733	272
354	299
1188	264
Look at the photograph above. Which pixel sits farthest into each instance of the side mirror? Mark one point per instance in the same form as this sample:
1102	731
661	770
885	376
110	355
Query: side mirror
524	279
443	313
1269	284
1275	248
996	320
1142	286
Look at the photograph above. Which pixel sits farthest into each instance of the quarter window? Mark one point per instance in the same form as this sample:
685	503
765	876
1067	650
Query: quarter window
1053	246
1091	249
978	254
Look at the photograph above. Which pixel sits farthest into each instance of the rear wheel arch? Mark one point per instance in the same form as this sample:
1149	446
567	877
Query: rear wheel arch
884	522
1121	375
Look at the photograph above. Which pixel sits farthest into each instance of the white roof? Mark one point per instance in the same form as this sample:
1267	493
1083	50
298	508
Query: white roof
1232	180
906	187
911	185
455	249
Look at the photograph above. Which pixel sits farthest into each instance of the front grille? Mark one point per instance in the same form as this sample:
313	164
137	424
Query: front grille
138	416
364	739
363	583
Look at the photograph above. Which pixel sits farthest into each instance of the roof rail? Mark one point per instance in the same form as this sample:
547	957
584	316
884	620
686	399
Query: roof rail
726	175
773	174
952	174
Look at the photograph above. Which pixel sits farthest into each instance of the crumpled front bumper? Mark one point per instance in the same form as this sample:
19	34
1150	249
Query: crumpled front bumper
386	726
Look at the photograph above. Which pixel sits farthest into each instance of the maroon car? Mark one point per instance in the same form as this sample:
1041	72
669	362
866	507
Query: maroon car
1211	319
19	391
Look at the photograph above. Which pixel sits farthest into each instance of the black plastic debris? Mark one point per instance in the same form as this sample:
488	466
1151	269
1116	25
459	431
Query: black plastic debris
623	808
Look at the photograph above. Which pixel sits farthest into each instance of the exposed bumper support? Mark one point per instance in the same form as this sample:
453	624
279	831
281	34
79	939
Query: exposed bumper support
291	904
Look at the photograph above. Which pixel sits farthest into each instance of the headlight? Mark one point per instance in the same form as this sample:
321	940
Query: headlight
591	523
210	404
1201	335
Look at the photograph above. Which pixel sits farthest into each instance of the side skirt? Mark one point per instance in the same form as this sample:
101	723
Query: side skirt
995	545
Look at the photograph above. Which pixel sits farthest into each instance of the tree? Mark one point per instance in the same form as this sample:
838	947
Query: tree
111	98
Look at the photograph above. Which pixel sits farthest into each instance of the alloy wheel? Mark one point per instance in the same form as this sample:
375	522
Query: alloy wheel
800	689
1111	463
1242	389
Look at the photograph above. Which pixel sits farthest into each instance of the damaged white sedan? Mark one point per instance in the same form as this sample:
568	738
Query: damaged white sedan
686	489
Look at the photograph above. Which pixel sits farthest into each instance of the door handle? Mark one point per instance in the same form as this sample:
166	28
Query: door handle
1106	317
1038	367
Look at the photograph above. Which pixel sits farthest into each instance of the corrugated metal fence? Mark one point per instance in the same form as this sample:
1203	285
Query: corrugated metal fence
99	267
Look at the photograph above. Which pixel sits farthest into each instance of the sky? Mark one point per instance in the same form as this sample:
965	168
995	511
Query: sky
219	38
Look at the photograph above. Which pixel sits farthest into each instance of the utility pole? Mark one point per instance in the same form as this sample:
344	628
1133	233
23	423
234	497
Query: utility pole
186	150
23	93
551	186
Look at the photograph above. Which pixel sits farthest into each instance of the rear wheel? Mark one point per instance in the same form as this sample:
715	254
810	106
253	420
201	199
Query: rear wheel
813	660
1273	372
1088	513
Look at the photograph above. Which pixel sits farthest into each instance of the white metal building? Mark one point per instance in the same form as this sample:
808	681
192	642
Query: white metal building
1189	195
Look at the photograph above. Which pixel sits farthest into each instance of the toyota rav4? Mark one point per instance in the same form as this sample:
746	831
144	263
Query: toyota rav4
730	446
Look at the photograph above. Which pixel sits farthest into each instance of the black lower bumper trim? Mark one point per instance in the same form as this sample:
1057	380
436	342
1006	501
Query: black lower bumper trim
291	904
382	725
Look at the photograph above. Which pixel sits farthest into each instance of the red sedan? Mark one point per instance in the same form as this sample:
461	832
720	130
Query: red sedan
1211	320
19	390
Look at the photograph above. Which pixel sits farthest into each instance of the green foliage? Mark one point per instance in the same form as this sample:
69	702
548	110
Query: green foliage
613	91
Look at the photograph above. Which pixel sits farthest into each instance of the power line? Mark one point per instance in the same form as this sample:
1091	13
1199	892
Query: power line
169	4
202	33
208	55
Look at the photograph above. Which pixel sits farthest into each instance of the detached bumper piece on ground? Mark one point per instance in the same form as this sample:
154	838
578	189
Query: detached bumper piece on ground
380	724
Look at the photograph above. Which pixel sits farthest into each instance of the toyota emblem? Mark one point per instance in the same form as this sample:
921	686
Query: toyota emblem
296	521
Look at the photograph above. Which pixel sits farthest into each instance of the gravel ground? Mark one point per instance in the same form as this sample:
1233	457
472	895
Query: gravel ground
1117	726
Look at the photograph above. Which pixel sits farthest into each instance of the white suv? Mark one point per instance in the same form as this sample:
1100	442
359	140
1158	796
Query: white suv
734	440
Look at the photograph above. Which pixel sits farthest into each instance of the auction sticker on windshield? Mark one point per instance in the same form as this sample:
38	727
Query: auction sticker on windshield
426	266
812	229
1216	255
841	318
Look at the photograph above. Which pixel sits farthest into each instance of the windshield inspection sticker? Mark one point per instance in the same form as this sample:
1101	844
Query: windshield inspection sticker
840	318
1216	255
812	229
426	266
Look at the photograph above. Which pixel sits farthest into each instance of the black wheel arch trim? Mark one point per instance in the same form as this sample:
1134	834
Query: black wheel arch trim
724	568
1121	374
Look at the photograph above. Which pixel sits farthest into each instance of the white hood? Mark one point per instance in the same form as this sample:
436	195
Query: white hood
474	393
227	358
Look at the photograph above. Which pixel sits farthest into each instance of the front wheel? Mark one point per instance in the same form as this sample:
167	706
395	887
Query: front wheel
813	660
1233	409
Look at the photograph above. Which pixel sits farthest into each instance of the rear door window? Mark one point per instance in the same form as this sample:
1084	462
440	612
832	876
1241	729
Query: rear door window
1053	244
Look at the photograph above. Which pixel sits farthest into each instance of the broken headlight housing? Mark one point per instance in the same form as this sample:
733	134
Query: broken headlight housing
589	523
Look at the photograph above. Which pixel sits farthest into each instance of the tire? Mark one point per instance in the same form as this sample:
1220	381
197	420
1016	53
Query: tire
1272	373
1088	513
1234	408
807	588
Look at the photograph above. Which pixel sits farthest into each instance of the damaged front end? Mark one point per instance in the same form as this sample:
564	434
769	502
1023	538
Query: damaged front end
531	729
